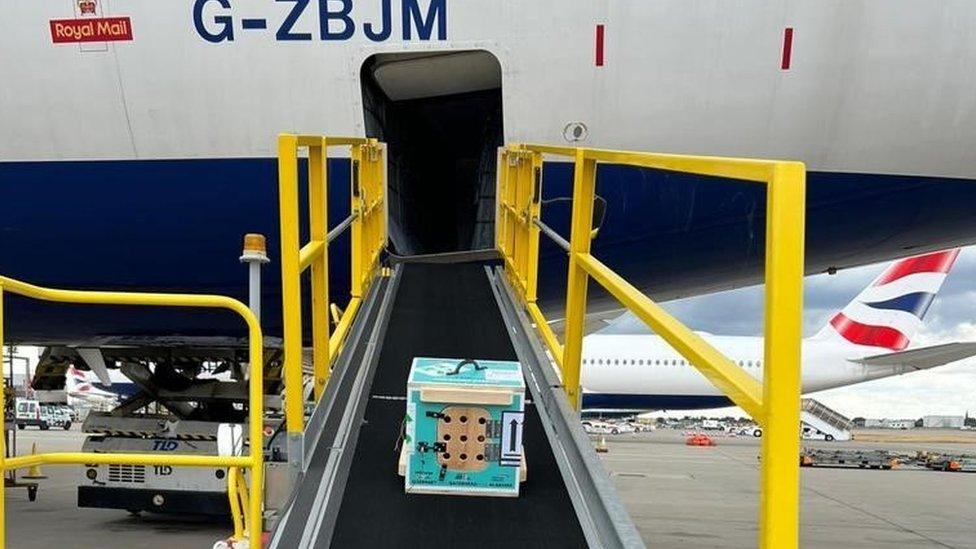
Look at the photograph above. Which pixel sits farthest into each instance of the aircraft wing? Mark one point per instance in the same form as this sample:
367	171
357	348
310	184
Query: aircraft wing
924	357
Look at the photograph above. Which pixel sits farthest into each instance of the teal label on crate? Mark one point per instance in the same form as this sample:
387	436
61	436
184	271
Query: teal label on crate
466	372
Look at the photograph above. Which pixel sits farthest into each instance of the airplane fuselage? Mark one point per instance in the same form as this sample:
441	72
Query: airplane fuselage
643	372
136	155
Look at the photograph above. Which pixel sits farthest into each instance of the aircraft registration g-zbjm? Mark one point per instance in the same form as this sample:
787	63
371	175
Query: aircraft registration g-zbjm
138	140
867	340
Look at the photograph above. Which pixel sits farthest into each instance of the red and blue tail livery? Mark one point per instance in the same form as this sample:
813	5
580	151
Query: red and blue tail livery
889	312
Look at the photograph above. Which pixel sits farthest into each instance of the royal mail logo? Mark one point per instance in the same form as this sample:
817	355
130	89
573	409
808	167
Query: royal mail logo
104	29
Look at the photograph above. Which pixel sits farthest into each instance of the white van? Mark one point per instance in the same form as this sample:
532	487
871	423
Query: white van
29	412
56	416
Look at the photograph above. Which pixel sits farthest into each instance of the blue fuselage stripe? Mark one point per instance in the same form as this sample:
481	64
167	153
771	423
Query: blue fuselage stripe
176	225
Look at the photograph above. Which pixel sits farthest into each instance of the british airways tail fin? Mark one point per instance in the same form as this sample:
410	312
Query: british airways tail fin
75	381
888	313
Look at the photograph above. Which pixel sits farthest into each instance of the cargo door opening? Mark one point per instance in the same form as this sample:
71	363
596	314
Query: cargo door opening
441	117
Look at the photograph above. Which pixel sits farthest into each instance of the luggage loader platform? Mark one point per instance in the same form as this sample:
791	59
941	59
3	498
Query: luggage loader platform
349	493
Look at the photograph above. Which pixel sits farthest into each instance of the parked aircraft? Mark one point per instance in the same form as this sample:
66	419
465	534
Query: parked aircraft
84	387
869	339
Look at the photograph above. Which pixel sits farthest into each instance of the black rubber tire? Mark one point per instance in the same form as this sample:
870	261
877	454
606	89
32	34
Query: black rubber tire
21	426
614	431
45	426
829	438
32	493
757	433
67	426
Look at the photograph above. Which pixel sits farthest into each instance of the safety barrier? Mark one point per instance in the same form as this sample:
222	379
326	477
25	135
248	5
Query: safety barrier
367	220
773	403
253	462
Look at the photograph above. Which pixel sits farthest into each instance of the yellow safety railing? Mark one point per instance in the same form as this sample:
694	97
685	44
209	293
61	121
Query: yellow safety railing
367	221
253	462
238	495
775	402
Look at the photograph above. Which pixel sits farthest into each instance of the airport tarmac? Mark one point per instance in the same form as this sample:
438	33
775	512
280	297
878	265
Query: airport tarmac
695	497
54	520
679	496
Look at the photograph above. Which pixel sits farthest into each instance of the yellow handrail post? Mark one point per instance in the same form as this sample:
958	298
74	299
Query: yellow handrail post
242	493
780	483
375	156
510	169
372	193
291	307
584	189
357	236
318	201
534	211
520	205
500	220
384	182
236	513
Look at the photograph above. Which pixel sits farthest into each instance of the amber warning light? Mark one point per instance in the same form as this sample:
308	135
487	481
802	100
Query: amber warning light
255	248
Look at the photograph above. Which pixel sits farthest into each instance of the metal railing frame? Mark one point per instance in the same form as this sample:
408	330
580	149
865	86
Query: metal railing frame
773	403
367	222
253	462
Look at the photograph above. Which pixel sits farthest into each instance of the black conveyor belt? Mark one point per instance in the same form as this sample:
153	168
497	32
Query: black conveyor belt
446	311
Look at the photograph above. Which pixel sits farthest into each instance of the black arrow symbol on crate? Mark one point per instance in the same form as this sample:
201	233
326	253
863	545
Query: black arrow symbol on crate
511	442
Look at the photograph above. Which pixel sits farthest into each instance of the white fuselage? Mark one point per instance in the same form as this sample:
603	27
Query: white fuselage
648	365
94	396
873	87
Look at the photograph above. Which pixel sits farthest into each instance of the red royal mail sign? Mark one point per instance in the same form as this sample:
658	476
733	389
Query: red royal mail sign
103	29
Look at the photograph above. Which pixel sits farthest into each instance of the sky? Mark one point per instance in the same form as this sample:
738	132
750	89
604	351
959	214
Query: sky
947	390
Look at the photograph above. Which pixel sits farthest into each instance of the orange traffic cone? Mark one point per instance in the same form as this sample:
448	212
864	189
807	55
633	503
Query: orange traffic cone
34	471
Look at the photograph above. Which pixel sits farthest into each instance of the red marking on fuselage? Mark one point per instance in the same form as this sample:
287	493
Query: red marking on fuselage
599	45
787	48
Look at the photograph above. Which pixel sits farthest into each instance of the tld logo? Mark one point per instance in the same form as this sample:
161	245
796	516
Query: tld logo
337	20
165	445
